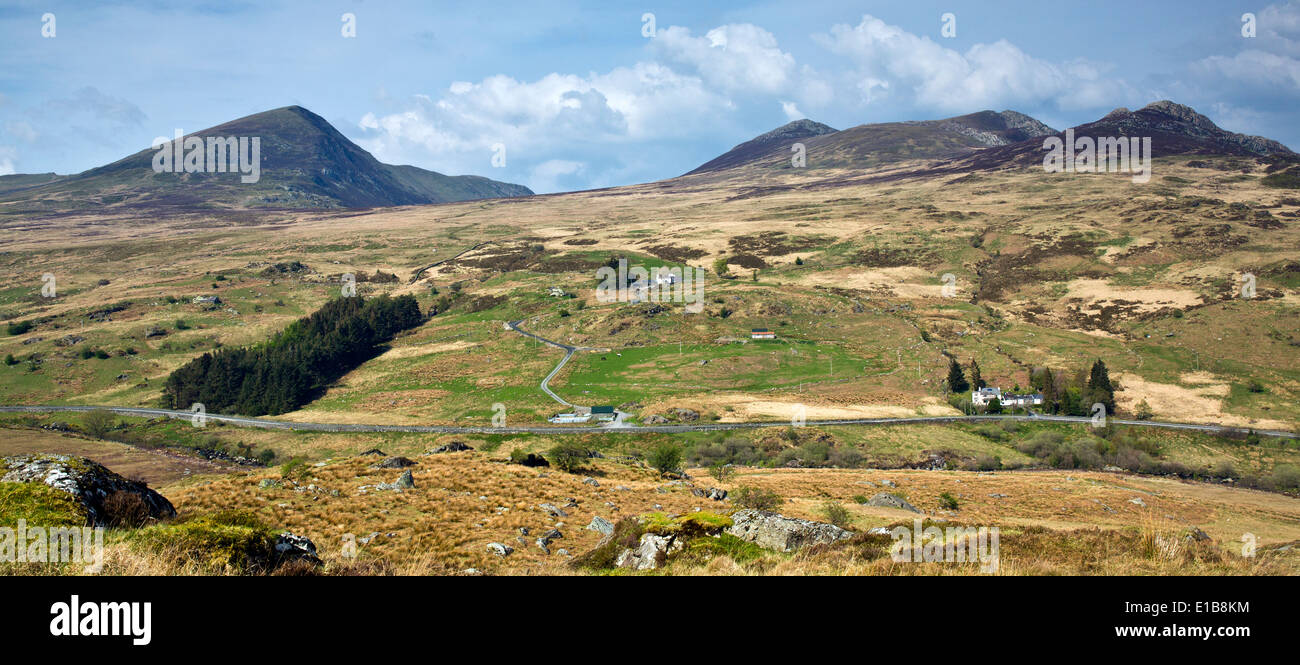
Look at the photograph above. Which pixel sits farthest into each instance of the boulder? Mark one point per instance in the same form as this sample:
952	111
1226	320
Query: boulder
601	524
783	534
552	510
717	494
453	447
655	419
86	480
394	463
290	547
883	500
500	549
404	482
375	452
651	552
686	415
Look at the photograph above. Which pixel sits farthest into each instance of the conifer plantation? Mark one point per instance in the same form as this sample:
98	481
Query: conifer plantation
284	373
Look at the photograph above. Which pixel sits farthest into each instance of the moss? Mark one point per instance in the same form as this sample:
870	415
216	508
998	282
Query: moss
40	505
740	551
227	540
689	525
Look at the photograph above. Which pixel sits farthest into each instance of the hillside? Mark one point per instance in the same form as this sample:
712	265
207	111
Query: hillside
1174	129
459	503
882	144
305	163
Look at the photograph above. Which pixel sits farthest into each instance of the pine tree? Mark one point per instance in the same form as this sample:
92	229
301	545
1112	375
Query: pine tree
1099	386
956	377
976	380
1051	401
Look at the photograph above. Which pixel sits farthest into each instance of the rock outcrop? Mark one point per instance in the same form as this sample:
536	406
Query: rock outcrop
651	552
884	500
90	482
784	534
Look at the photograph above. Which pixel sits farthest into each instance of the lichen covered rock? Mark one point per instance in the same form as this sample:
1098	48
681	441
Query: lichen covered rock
89	482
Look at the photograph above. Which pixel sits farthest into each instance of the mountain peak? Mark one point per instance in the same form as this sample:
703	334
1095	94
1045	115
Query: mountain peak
304	163
796	129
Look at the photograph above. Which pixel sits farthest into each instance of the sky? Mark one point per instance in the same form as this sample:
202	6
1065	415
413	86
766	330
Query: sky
570	95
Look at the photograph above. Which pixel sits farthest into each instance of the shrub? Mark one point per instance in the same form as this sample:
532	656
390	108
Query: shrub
837	514
722	472
266	456
294	469
568	456
19	327
665	457
860	498
519	456
99	422
182	325
125	509
947	501
845	457
756	499
1286	477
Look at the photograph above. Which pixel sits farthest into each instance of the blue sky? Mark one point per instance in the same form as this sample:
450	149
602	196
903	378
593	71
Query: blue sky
581	99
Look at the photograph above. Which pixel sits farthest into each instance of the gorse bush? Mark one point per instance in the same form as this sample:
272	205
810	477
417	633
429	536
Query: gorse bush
285	372
756	498
665	457
837	514
567	456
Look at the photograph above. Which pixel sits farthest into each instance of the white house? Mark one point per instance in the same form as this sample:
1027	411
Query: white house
985	395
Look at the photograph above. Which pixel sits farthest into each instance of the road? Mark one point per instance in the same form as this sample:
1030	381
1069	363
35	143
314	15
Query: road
267	423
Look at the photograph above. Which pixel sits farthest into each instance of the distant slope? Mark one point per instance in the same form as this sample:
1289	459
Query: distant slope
779	139
1174	129
305	163
17	181
879	144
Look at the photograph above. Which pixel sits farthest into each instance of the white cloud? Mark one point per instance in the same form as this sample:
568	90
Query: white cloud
554	119
7	157
892	64
792	111
733	57
548	175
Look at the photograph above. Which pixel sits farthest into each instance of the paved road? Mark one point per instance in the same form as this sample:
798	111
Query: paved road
568	353
267	423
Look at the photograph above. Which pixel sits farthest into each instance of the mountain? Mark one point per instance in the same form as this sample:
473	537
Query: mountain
876	144
305	163
776	140
1174	129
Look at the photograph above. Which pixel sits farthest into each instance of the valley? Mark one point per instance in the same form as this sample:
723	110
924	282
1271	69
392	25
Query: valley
872	274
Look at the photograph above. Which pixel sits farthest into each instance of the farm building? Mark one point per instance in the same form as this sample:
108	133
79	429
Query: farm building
566	418
602	413
761	333
983	396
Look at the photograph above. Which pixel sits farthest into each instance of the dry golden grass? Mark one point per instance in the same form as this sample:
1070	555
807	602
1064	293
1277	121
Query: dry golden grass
1052	522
